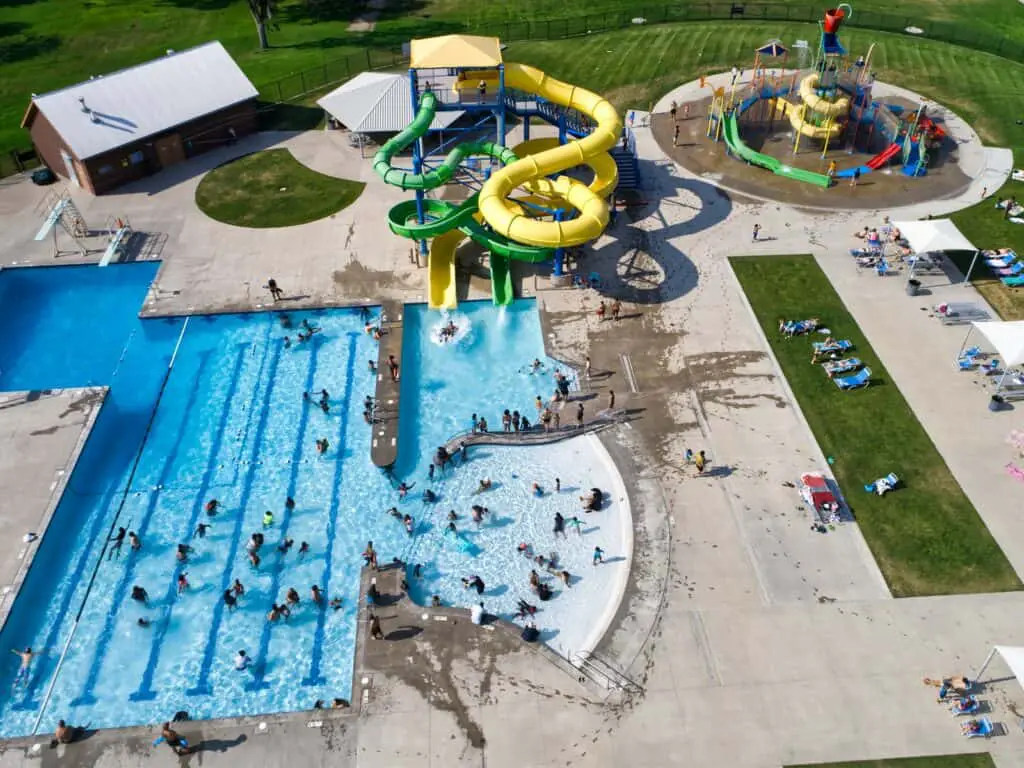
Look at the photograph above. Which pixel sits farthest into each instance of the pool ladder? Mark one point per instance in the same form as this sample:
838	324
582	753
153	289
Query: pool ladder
599	670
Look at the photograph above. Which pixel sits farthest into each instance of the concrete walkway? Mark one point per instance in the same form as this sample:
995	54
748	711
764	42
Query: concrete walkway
756	641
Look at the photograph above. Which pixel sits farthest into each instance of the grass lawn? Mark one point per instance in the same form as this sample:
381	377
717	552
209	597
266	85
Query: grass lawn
941	761
91	37
247	192
926	536
985	226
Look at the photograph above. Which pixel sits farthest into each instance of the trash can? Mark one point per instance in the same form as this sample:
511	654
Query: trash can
998	403
913	287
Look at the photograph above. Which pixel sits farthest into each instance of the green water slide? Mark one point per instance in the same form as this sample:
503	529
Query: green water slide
731	131
442	216
441	175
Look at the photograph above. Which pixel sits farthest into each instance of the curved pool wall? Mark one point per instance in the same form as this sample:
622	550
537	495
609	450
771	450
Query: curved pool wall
229	422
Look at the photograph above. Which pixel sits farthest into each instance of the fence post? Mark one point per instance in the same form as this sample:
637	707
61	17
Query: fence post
302	80
368	64
279	96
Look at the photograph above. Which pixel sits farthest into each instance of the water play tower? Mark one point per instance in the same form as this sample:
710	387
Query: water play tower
521	204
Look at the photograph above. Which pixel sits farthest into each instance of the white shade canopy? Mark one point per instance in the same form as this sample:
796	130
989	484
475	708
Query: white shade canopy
1006	337
1012	655
378	102
934	235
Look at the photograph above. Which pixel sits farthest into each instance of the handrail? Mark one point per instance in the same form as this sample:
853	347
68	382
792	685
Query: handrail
613	678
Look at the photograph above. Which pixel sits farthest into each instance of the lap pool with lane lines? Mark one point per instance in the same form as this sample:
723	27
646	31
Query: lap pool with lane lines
229	422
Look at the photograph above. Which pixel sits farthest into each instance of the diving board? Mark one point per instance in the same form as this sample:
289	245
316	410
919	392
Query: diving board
116	241
52	218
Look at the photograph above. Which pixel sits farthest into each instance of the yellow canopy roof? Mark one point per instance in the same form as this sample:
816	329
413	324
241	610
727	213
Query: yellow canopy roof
454	51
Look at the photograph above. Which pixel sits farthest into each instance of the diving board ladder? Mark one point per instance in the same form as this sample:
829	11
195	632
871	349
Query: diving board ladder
118	239
60	212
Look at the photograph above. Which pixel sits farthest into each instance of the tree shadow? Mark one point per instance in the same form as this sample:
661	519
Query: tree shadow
289	117
21	47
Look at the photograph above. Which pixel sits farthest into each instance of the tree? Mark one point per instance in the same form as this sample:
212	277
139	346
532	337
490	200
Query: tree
262	11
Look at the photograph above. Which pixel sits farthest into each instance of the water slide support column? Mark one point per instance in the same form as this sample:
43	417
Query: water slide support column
417	160
500	112
559	259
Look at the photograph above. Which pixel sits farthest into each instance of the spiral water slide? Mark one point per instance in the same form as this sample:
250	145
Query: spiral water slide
491	217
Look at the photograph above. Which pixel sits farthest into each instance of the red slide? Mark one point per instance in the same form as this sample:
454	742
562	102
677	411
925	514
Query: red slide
882	157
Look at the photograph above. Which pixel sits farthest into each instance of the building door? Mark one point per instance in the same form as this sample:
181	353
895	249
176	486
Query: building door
170	150
69	164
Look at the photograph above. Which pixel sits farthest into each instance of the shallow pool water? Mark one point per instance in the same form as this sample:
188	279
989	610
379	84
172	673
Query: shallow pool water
228	420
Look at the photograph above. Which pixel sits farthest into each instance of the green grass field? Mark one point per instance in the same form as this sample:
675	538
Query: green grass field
53	43
272	189
987	229
940	761
926	536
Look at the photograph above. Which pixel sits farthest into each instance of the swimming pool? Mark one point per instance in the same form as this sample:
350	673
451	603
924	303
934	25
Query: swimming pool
228	421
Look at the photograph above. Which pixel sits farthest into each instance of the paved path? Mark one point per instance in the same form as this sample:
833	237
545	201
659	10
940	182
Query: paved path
767	644
41	437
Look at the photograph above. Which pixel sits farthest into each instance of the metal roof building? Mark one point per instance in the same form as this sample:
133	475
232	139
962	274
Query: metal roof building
114	128
373	102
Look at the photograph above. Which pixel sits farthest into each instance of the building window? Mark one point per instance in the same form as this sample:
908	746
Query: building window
135	157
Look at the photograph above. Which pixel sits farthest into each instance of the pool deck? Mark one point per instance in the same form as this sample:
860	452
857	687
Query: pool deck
41	437
384	447
756	643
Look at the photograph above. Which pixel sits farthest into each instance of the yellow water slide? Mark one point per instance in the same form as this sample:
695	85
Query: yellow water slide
795	112
816	103
508	219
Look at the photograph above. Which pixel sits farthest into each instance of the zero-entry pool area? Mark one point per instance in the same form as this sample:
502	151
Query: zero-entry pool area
212	407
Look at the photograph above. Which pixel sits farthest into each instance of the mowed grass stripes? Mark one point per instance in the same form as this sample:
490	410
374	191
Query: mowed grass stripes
636	67
926	536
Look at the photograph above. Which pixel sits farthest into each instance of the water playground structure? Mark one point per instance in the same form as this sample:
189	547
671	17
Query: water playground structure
523	205
831	106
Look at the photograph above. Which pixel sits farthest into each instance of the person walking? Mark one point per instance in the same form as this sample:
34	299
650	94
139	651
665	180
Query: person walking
579	415
757	231
611	399
616	310
587	368
598	555
393	367
672	111
831	172
855	178
700	462
675	135
275	289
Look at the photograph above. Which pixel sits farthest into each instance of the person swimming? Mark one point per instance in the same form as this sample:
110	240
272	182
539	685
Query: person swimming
408	524
429	496
485	485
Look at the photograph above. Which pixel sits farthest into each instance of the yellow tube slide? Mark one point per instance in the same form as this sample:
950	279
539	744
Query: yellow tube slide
501	214
814	102
807	129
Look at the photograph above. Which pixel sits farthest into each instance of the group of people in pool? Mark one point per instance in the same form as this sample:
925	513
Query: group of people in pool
306	330
549	414
236	591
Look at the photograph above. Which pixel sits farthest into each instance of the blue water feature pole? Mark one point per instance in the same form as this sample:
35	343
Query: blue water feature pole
500	111
417	159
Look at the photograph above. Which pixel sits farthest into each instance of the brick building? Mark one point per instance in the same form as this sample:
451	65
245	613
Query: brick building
113	129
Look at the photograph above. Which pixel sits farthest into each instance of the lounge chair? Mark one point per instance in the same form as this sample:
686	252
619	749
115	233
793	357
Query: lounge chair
825	348
967	705
883	485
1011	271
985	729
967	363
1013	282
860	379
838	367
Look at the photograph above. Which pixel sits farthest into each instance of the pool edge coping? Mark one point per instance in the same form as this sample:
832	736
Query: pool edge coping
64	474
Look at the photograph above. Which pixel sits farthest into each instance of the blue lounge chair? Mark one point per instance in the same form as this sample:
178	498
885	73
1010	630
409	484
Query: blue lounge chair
838	367
985	729
821	348
1013	282
860	379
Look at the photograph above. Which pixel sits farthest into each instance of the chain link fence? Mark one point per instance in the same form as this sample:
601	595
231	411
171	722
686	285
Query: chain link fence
295	87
